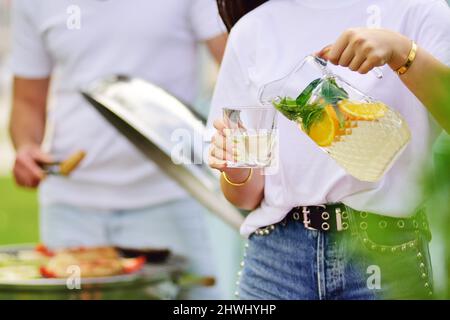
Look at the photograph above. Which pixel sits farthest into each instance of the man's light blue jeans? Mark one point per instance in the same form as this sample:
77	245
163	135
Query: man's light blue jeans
177	225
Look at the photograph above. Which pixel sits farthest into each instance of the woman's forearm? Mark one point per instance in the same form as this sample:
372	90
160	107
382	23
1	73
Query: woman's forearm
363	49
429	80
247	196
244	188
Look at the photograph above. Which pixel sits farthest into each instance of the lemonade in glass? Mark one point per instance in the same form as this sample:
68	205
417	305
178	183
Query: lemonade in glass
251	132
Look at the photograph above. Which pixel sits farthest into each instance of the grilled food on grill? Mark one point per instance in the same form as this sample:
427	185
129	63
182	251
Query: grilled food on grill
151	255
92	263
43	262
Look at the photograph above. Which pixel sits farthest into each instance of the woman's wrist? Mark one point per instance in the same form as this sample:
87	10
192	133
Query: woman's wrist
236	176
402	48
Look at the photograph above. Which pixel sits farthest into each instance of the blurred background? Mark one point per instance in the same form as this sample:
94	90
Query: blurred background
18	207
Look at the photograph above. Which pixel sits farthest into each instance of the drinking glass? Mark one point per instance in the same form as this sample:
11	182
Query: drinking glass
251	131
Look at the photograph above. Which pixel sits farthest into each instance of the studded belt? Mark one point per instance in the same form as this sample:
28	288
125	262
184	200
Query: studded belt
326	218
336	218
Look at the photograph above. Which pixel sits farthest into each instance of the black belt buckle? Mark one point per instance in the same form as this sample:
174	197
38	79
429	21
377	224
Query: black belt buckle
306	220
339	222
323	218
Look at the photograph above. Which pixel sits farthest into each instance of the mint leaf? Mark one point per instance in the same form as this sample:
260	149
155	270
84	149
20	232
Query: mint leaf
331	92
304	97
289	108
307	114
310	114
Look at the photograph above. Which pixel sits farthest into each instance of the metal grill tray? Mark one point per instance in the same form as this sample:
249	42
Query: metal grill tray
151	273
148	117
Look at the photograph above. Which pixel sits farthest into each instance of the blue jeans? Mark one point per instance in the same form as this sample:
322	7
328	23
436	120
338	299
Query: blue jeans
293	263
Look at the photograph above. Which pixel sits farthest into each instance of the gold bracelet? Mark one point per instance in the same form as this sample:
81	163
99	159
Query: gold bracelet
224	175
411	57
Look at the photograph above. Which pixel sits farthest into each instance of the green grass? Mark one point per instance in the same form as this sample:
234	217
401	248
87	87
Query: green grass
18	214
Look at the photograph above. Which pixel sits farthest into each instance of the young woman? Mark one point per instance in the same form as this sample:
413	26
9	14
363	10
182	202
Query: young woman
382	252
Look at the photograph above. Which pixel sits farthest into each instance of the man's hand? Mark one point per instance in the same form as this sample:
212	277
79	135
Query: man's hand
27	168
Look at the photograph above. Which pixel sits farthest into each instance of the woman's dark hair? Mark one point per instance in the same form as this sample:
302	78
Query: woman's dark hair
232	10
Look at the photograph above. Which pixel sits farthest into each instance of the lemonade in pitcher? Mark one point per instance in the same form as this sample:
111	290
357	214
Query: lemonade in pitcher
361	134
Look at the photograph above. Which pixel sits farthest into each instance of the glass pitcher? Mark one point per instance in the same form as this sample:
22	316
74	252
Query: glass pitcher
360	133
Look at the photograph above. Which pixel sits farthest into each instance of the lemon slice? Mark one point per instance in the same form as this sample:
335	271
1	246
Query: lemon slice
324	131
362	111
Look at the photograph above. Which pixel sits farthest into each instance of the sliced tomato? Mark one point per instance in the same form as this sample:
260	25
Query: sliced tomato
46	273
132	265
42	249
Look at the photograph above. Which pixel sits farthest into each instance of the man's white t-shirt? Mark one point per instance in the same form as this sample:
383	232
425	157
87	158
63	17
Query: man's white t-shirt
80	41
268	43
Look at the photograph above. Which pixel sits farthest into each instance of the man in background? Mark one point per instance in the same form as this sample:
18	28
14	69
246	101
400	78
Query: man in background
116	197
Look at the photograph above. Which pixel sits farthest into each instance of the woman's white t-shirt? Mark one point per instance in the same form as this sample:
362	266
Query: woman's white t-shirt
268	42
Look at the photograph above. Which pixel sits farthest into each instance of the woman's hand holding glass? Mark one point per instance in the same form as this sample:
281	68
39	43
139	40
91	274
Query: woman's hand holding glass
219	154
222	151
243	187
